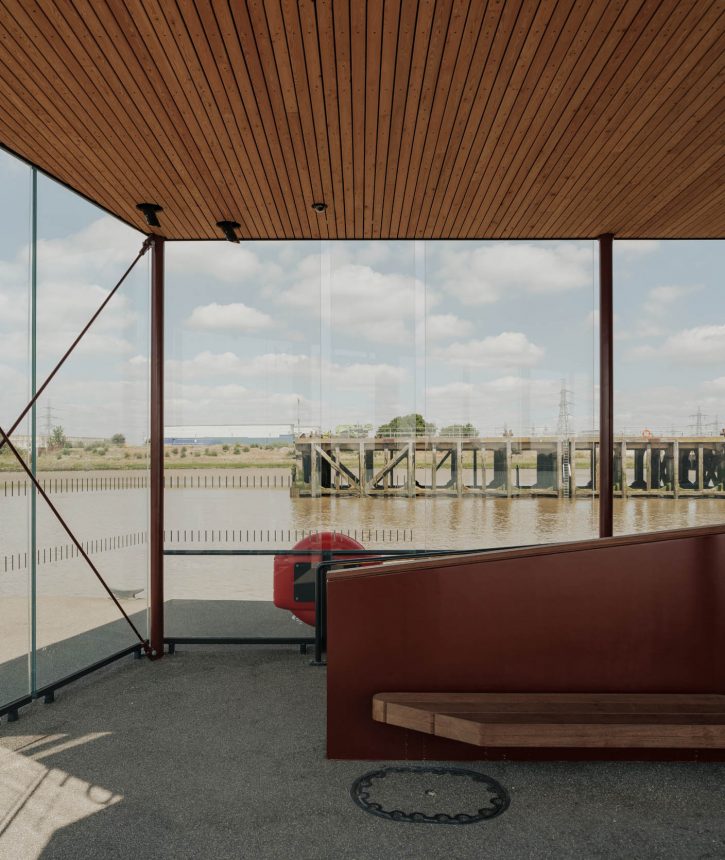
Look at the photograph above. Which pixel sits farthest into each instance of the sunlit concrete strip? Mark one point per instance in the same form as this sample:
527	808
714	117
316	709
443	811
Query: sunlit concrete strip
36	801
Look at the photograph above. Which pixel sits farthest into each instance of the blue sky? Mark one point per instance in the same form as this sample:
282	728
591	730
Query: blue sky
344	332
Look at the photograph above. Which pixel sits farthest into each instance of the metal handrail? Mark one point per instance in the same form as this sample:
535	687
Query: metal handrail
331	558
322	568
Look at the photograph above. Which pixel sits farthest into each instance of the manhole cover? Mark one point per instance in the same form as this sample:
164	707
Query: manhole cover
430	795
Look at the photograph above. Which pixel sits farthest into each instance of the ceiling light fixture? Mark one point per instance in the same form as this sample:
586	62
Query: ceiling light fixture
229	229
150	211
319	207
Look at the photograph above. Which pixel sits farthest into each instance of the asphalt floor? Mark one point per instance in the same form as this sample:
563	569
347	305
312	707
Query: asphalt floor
219	752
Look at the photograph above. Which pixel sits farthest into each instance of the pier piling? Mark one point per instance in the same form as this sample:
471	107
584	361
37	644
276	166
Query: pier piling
545	466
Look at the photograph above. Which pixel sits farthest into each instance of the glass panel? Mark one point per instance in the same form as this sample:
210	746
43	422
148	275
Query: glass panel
15	514
242	379
92	434
404	395
373	394
511	352
669	411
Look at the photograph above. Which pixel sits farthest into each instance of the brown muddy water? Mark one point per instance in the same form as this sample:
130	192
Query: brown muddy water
269	518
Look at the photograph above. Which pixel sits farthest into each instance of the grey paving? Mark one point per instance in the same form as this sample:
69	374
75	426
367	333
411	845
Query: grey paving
219	753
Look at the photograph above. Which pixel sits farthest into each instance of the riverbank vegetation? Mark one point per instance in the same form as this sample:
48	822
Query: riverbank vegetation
104	456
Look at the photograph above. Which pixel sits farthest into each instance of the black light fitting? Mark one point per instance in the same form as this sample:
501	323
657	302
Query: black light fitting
150	213
319	207
229	229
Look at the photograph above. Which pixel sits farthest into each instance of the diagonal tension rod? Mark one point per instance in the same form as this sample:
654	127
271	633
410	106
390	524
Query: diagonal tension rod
41	491
144	248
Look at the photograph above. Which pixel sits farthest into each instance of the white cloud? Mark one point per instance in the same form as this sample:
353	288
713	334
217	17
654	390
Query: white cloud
212	366
445	326
669	294
75	275
699	345
380	307
508	349
487	273
222	261
643	328
514	401
635	247
660	299
236	317
104	245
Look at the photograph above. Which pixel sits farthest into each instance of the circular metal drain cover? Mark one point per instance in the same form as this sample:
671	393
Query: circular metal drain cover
430	795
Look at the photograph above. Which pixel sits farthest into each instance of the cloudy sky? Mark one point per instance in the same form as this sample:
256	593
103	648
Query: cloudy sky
344	332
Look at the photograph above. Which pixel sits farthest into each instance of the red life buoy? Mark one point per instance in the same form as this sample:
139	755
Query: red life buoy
294	576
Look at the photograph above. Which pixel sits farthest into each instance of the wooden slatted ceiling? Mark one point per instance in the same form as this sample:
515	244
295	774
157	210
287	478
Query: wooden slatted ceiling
408	118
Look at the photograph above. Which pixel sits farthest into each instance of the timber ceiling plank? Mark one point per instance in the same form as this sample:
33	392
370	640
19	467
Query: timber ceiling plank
112	57
358	49
160	89
388	65
335	19
133	129
255	44
327	47
176	61
506	108
15	135
533	168
327	125
442	50
453	57
458	104
661	82
407	118
655	144
426	74
457	144
251	149
709	208
24	90
670	147
289	60
403	60
513	21
253	110
374	27
548	83
53	37
695	191
616	120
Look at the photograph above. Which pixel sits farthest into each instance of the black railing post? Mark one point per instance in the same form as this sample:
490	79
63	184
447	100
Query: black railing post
321	608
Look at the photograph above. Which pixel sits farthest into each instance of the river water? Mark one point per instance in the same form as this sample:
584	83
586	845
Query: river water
269	518
205	590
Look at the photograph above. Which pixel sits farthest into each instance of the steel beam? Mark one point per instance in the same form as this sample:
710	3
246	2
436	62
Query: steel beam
156	482
606	386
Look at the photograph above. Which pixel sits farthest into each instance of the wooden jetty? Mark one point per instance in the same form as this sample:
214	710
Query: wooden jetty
508	466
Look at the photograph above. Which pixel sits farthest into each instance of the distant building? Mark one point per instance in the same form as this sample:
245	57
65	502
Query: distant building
220	434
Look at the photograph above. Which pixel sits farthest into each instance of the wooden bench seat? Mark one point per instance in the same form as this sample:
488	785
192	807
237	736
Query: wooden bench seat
560	719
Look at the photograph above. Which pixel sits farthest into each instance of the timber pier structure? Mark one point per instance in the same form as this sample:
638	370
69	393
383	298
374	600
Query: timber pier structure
509	466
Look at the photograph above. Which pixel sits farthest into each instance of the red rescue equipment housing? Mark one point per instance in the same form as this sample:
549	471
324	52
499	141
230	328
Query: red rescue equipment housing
294	576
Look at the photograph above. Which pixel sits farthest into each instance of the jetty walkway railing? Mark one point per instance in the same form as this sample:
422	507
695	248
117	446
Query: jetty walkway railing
232	480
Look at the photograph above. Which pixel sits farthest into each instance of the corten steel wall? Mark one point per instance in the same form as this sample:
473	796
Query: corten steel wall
643	613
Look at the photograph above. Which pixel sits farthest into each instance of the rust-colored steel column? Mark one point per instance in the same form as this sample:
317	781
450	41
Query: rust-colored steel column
606	386
156	530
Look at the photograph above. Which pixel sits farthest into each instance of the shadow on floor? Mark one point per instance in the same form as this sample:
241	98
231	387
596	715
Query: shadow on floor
219	752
